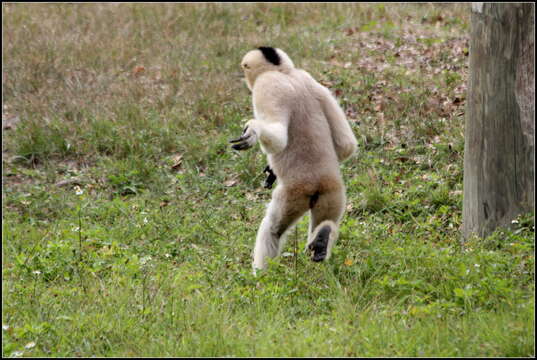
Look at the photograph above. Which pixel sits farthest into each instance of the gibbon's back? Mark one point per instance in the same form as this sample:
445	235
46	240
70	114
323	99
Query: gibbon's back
310	149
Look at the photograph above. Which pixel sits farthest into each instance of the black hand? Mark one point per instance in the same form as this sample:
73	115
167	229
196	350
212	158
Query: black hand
241	146
270	179
240	138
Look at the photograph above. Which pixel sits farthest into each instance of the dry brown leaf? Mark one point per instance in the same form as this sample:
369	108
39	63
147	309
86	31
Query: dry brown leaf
457	100
72	181
138	70
372	175
177	161
230	183
455	193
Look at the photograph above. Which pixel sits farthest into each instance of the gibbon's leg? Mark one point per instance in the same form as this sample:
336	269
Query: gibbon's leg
283	211
324	222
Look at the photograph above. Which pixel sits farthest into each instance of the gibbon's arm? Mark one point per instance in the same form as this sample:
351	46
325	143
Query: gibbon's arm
342	136
272	136
270	95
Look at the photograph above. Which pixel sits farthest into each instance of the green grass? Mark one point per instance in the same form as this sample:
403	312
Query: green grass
128	223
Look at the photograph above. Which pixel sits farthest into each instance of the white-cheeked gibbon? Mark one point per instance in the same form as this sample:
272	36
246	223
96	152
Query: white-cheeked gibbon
305	135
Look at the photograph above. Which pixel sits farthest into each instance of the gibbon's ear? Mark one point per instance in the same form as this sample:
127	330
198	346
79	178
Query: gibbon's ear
271	55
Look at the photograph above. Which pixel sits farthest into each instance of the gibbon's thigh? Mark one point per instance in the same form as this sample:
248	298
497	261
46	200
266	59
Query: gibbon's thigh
329	206
286	208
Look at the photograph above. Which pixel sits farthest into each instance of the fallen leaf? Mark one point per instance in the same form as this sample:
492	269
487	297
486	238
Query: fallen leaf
138	69
403	159
457	100
9	123
73	181
348	262
230	183
177	160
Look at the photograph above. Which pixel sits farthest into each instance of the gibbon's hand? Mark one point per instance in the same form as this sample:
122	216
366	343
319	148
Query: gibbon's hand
270	179
246	140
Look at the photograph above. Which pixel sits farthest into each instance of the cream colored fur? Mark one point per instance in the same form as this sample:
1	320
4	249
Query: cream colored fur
305	135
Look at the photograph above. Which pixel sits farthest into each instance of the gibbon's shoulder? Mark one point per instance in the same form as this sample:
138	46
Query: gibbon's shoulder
273	83
303	73
307	77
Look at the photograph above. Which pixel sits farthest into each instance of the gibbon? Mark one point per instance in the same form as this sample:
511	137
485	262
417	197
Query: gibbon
305	135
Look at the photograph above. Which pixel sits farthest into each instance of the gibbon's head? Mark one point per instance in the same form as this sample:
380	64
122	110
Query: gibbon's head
263	59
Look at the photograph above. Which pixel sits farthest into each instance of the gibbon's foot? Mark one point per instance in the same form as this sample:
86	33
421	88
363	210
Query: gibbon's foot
319	245
270	179
245	141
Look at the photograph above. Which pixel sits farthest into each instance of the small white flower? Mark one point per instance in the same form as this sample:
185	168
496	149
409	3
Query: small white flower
30	345
146	221
145	259
37	272
477	265
167	255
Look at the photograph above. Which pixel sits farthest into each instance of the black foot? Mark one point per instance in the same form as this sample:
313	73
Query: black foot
319	245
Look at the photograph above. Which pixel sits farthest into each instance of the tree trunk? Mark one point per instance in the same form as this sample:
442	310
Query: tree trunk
499	160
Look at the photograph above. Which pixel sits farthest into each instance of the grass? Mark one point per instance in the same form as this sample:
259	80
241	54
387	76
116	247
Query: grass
128	223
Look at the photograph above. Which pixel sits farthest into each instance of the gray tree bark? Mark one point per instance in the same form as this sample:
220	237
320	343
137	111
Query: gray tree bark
499	160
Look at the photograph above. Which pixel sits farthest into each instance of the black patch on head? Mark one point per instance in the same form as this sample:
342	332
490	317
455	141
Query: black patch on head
270	54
